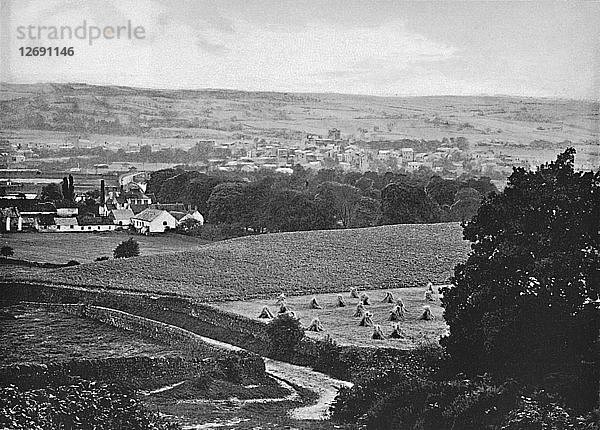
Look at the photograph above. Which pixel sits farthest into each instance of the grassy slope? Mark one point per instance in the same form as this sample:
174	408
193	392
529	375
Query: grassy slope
296	263
86	247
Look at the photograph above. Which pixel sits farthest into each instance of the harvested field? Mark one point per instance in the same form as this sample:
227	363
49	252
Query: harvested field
343	327
294	263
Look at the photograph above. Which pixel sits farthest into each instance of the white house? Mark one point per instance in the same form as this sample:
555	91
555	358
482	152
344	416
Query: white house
182	216
121	217
153	221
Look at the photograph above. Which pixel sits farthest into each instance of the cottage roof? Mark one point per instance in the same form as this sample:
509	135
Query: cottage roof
9	212
149	214
177	215
122	214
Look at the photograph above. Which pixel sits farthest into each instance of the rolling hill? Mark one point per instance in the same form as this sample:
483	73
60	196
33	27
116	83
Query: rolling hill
228	114
294	263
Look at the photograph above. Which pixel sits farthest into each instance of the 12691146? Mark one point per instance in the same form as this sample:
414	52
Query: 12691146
46	51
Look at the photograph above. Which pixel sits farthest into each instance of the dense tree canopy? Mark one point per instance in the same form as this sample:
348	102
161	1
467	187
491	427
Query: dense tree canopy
525	302
266	201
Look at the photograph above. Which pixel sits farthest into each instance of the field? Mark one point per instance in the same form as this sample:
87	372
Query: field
39	336
294	263
86	247
339	323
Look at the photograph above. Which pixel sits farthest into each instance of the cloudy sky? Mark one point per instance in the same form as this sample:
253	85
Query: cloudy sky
540	48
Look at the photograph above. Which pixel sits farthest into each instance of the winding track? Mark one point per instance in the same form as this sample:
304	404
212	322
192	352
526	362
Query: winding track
325	386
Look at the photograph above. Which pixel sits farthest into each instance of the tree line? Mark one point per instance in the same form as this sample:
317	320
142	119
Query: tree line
266	201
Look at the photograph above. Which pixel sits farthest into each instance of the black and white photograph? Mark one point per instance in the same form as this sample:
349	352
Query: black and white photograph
302	215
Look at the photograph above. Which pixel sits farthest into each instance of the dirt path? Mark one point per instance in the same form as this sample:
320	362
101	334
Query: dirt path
325	386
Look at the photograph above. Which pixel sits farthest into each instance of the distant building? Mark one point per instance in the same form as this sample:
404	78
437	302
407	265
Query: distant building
121	217
153	221
181	217
334	134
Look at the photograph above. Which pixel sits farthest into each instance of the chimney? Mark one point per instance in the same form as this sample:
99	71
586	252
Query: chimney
102	195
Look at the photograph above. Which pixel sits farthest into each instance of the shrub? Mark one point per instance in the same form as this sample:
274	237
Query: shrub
72	263
285	333
83	404
126	249
6	251
102	258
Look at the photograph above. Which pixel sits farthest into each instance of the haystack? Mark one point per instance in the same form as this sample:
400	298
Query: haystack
283	309
314	304
429	296
389	298
360	310
397	313
315	325
396	333
426	315
400	303
377	332
266	313
280	299
364	298
366	320
340	301
354	293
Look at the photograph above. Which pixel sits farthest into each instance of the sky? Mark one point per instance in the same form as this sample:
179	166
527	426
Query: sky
541	49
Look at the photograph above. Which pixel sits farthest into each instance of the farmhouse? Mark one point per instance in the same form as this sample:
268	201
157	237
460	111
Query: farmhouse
153	221
121	217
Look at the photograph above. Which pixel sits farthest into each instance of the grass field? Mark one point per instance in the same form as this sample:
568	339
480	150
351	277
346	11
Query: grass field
342	326
294	263
39	336
86	247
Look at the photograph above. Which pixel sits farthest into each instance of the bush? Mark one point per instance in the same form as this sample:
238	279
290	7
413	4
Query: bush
6	251
126	249
285	333
81	405
72	263
102	258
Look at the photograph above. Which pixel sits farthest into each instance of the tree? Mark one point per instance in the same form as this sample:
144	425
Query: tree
367	213
225	204
126	249
291	210
6	251
51	193
406	204
525	301
285	333
68	188
442	190
343	198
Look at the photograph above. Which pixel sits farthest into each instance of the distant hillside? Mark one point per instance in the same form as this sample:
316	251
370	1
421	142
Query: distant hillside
295	263
228	114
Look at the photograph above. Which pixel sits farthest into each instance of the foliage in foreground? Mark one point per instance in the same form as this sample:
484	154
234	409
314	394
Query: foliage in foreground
82	405
524	305
523	313
414	394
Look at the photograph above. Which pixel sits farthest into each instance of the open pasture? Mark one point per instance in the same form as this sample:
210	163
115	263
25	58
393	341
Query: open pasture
343	327
86	247
296	263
